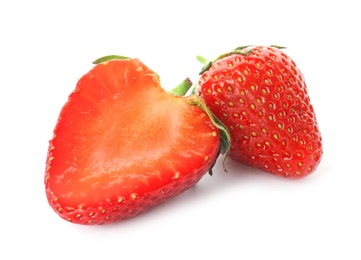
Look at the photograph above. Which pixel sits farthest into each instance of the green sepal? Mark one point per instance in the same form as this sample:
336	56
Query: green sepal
243	47
194	100
278	47
239	50
110	57
225	136
206	67
207	64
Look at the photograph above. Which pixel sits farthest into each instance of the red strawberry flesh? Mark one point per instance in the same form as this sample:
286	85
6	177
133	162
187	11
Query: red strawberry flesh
122	144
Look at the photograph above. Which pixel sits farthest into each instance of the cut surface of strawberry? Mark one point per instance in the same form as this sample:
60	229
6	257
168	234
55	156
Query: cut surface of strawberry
122	144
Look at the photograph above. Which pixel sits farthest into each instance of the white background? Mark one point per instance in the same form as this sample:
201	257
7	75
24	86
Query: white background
46	46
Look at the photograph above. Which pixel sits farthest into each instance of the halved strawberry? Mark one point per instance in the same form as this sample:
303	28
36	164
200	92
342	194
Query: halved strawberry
122	144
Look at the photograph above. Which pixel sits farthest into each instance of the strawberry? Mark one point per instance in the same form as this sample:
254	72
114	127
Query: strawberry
260	95
122	144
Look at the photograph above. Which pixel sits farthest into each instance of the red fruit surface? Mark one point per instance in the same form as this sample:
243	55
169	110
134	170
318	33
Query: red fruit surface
261	96
122	145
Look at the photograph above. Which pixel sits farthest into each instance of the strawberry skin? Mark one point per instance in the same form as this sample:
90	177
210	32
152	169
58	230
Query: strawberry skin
261	97
122	145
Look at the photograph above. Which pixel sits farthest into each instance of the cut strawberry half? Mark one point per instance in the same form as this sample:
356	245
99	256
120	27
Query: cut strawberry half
122	144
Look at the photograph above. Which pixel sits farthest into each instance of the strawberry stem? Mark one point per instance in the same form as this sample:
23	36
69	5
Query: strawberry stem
207	64
202	60
182	88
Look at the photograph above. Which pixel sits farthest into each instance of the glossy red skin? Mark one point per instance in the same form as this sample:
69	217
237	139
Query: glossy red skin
122	145
263	100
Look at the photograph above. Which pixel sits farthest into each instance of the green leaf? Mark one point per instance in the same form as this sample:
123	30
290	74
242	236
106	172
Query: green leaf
239	50
278	47
205	67
243	47
110	57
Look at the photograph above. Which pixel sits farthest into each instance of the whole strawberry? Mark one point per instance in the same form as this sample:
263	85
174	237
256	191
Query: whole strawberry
261	96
